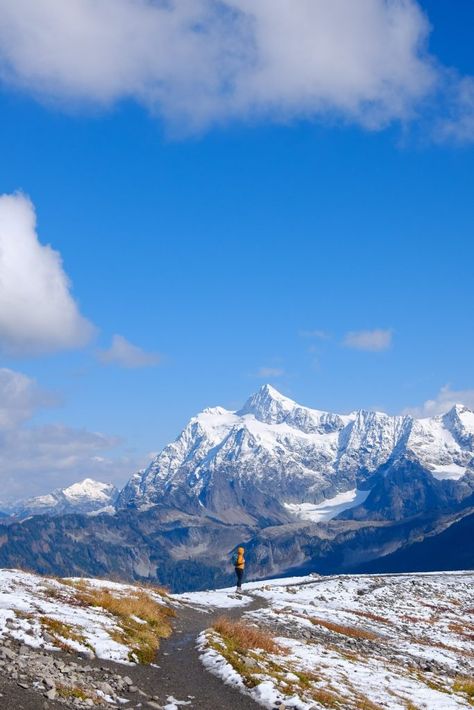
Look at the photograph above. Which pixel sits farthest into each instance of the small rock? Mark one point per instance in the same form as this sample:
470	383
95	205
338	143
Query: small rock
50	694
106	688
127	680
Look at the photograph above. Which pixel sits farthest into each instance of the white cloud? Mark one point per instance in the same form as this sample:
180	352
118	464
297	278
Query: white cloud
443	402
20	397
372	340
196	62
37	310
37	459
270	372
458	125
124	354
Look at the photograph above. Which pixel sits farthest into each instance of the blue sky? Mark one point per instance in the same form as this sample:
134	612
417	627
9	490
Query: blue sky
327	251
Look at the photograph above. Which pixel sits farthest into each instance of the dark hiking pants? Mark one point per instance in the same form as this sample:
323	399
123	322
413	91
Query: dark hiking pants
240	573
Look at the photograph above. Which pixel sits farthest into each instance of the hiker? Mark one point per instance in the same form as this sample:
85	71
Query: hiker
239	564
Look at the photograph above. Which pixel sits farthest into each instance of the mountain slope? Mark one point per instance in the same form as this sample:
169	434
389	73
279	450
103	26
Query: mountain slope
253	464
403	489
450	549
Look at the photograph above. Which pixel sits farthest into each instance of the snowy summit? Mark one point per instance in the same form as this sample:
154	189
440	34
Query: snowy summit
296	455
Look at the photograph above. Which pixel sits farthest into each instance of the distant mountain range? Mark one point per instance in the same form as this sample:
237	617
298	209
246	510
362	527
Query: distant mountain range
303	488
87	496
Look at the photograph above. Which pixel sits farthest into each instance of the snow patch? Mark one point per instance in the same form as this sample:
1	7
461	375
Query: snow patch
328	509
450	471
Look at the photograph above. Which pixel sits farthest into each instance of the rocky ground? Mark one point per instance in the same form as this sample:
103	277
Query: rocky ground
398	642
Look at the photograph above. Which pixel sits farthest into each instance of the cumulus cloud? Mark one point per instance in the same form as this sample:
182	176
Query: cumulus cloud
37	310
443	402
195	62
372	340
270	372
124	354
37	459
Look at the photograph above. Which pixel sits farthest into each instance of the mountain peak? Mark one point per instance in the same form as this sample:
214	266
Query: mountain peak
268	405
88	488
460	409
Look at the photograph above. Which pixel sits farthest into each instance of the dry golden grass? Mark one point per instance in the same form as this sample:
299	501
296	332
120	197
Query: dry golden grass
463	630
67	692
242	636
413	619
142	621
465	686
351	631
49	590
148	586
364	703
438	608
62	632
444	646
326	698
369	615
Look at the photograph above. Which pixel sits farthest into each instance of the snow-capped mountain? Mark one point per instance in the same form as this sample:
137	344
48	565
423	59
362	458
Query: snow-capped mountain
274	454
87	496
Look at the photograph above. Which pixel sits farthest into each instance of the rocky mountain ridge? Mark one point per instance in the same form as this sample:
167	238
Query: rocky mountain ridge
249	464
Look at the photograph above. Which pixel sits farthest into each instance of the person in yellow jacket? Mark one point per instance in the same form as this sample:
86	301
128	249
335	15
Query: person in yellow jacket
239	564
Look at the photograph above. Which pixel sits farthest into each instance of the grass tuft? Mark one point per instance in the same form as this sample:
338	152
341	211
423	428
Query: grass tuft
464	686
142	621
243	637
67	692
369	615
351	631
62	632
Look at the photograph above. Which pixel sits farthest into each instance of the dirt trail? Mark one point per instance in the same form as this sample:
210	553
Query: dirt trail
181	673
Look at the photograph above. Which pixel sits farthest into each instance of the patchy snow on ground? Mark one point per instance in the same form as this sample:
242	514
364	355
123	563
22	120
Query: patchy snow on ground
214	599
399	642
227	598
46	613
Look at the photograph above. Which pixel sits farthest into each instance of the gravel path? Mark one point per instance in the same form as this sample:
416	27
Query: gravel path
177	675
182	674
